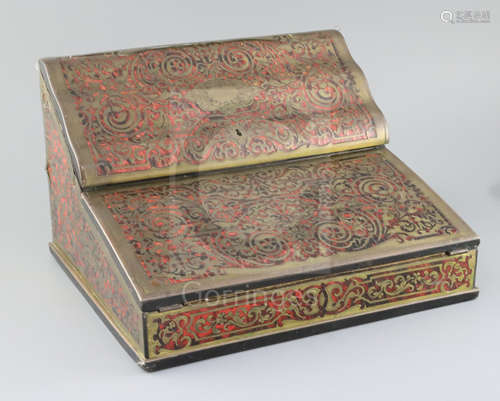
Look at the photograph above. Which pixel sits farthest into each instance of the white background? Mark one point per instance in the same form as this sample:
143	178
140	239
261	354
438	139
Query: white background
438	85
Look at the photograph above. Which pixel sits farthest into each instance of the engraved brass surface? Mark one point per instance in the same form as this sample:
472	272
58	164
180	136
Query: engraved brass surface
186	235
146	113
208	323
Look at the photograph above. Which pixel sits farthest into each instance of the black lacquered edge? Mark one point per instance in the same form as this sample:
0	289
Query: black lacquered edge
102	315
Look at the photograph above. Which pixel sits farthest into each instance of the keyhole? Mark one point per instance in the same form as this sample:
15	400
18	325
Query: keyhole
238	132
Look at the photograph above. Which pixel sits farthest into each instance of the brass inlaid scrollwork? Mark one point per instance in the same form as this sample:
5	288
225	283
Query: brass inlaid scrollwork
266	217
304	303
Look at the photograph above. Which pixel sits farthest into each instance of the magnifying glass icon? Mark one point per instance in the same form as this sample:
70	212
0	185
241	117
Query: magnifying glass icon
447	17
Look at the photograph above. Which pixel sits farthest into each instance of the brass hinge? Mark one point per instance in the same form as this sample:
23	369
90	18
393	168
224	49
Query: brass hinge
457	251
170	307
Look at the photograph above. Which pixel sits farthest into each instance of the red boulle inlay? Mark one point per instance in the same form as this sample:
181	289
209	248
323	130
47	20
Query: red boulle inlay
215	102
267	216
73	234
271	309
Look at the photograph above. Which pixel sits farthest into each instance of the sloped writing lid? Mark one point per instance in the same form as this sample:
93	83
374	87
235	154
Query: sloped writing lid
138	114
209	235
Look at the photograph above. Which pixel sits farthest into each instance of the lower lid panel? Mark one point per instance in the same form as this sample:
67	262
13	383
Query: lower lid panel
236	322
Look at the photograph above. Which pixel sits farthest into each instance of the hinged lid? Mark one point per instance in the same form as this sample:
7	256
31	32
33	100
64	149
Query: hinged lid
138	114
216	234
